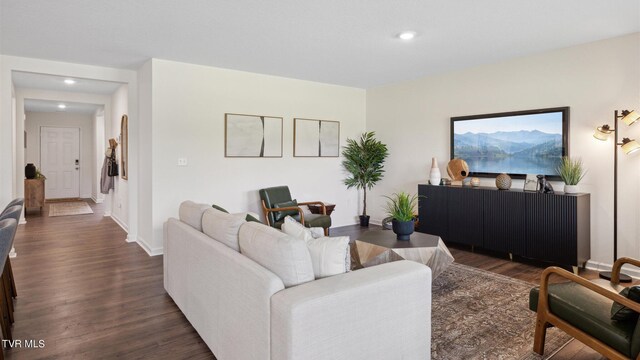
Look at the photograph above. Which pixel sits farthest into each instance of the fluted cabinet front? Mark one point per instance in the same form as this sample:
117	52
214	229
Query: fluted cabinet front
553	228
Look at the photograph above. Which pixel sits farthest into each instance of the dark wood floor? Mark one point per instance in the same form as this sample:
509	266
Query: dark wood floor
89	294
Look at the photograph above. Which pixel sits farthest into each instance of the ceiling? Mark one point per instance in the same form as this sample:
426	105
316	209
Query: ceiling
333	41
36	105
56	83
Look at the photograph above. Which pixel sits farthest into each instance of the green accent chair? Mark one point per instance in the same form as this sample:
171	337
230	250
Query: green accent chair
582	309
277	204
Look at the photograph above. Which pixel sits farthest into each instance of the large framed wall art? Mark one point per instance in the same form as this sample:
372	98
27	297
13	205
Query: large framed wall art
316	138
252	136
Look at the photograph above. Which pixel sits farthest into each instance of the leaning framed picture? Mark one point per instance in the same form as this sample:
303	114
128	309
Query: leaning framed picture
252	136
316	138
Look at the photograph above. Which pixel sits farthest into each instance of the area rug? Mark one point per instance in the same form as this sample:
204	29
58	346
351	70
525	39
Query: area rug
478	314
69	208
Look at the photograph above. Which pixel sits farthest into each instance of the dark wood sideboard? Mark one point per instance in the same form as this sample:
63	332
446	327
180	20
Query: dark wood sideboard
553	228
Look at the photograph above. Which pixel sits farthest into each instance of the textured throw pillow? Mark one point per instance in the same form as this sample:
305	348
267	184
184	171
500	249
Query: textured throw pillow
283	255
223	227
191	213
330	255
297	230
279	215
622	313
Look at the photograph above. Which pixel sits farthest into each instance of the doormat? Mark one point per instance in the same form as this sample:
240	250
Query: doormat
69	208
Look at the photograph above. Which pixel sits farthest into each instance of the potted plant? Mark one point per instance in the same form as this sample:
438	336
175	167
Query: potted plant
402	208
571	171
364	160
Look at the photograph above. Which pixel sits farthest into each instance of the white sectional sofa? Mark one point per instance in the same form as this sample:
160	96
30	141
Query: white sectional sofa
243	311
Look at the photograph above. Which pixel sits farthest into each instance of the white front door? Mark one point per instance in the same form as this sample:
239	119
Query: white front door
60	161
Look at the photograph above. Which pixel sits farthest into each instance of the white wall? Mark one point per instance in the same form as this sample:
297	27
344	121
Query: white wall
188	107
36	120
595	79
145	193
119	200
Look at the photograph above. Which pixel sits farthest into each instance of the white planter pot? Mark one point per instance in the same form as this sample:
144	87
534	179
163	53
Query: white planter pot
570	189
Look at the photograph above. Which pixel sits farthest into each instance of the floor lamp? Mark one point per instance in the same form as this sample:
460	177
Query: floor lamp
628	146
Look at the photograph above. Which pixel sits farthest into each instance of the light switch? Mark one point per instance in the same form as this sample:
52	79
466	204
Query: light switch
182	161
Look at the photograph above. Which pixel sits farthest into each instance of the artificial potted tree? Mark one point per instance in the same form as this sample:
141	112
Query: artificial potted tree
571	171
402	209
364	160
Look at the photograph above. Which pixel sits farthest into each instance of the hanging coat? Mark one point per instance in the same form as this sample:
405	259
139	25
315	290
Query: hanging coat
106	181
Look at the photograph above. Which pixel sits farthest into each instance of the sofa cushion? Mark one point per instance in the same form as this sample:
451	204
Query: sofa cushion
280	253
622	313
191	213
279	215
223	227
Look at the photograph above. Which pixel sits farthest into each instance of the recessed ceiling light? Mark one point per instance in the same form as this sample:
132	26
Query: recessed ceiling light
62	106
407	35
69	81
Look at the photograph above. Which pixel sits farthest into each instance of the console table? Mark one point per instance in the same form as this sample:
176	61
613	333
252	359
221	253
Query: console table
33	193
553	228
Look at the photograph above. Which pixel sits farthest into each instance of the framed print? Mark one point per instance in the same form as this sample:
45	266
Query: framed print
252	136
124	148
316	138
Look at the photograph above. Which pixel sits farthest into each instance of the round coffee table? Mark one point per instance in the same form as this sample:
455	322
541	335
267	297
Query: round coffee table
380	246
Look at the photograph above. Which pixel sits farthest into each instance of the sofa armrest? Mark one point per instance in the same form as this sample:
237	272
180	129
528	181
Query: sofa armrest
381	312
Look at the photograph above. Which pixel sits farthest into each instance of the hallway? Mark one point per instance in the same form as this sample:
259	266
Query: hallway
89	294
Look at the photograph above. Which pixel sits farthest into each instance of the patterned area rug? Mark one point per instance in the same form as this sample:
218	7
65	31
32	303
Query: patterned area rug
477	314
69	208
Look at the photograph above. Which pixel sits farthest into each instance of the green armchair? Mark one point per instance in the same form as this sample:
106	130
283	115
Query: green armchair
277	204
582	309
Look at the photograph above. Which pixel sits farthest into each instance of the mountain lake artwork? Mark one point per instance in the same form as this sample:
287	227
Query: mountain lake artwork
524	144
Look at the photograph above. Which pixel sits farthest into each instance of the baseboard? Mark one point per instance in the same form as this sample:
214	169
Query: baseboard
119	222
626	269
97	200
107	213
145	246
130	239
13	253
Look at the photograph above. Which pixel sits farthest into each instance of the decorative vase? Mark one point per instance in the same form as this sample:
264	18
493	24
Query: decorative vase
570	189
434	175
503	182
364	220
475	182
403	229
30	171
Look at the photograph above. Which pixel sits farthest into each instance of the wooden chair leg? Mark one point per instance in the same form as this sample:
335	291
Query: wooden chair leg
540	334
6	284
326	231
4	319
9	269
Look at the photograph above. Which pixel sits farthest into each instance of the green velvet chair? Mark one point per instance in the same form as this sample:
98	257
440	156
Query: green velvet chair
277	204
582	309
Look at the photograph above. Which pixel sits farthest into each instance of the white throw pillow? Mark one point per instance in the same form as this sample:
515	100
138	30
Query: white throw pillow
330	255
223	227
295	229
283	255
